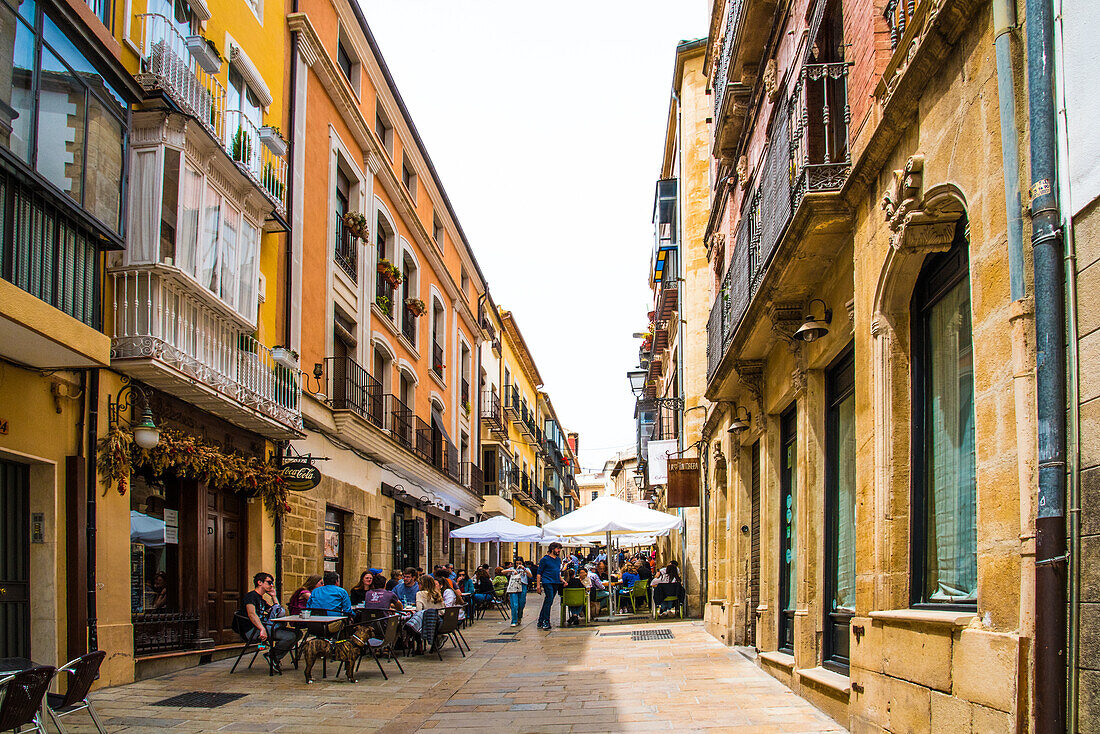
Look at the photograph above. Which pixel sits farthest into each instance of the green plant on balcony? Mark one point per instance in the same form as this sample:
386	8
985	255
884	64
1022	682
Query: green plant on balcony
355	224
415	307
383	303
242	146
389	272
271	182
467	407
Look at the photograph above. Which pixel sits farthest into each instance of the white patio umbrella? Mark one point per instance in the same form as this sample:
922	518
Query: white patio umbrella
610	516
499	529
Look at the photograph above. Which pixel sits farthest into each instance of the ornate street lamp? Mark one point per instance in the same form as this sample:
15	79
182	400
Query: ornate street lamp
146	433
813	328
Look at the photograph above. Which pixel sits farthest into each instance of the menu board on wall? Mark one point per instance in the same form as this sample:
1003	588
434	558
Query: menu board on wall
171	526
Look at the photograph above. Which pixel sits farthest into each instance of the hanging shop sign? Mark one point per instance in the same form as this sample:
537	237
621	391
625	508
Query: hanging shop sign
298	476
683	483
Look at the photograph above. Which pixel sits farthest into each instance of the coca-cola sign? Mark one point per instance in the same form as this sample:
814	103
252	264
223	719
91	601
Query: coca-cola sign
299	476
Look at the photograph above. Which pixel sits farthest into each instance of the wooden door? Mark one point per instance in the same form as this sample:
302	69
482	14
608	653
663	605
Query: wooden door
754	548
225	580
15	610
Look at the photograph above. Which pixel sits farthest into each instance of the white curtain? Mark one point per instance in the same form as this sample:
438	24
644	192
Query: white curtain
230	267
951	555
206	266
144	239
250	246
187	237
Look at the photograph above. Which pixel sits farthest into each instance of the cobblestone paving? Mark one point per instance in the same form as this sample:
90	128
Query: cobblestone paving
572	680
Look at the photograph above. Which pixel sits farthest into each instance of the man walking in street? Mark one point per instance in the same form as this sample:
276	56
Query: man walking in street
548	581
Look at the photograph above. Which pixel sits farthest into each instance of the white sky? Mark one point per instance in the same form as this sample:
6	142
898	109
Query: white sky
545	121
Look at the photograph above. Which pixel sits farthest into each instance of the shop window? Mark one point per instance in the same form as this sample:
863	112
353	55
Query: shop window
840	510
334	541
945	564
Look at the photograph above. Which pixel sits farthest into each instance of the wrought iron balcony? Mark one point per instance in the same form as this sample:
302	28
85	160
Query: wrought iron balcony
346	251
512	403
668	292
352	387
167	335
384	294
472	478
168	65
437	359
408	325
492	415
808	155
899	15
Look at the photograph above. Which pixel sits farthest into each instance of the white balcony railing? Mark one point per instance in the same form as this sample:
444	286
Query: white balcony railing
158	317
166	58
242	142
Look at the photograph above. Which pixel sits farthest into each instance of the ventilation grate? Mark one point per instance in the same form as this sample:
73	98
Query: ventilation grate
510	639
509	632
646	635
200	700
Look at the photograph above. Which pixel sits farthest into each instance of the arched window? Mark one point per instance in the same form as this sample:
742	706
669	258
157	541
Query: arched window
944	514
410	287
385	244
439	328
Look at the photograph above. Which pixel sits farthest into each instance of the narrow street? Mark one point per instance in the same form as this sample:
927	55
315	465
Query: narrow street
573	680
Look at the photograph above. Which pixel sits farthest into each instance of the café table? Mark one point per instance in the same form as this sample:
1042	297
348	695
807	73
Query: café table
313	624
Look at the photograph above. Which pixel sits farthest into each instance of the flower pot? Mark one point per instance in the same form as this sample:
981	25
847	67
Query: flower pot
273	141
205	56
285	357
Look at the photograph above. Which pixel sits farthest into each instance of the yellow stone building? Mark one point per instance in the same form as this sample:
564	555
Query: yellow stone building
873	432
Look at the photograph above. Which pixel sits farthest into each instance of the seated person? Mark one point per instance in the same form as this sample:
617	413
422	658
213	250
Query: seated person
381	599
330	596
407	589
484	593
429	597
366	580
667	585
500	582
452	597
254	623
395	579
644	571
300	598
572	581
597	592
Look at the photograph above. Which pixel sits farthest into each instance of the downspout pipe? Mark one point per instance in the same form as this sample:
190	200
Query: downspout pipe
1004	23
1050	377
93	483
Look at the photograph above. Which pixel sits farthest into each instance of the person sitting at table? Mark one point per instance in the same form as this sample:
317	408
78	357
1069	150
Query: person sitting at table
667	584
257	610
406	590
300	598
429	597
379	581
381	599
395	579
357	592
452	597
500	582
597	592
601	569
465	583
330	596
483	588
630	575
643	570
572	582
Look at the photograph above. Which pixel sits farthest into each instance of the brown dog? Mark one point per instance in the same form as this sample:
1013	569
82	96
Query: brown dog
346	650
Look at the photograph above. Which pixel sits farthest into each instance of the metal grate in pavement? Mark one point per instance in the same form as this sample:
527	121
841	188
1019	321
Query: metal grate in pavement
646	635
509	632
200	700
510	639
614	634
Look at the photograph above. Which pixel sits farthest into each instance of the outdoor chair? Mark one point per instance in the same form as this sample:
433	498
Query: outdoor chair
574	598
447	629
388	628
654	602
242	625
21	702
82	673
638	592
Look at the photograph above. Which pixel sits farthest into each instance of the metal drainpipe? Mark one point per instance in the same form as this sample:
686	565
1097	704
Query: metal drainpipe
1050	377
1073	435
1004	23
288	256
93	431
279	531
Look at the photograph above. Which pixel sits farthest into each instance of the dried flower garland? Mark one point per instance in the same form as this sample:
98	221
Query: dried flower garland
190	457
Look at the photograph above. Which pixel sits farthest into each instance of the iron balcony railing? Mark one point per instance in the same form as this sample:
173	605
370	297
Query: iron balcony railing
346	250
512	403
472	478
157	317
352	387
437	358
47	254
899	14
167	63
401	422
725	52
464	391
160	632
408	325
384	293
808	153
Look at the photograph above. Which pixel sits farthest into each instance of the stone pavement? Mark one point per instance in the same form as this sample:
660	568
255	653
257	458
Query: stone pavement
568	680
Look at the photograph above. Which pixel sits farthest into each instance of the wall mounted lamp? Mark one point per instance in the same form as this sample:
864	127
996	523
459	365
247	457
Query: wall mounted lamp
813	328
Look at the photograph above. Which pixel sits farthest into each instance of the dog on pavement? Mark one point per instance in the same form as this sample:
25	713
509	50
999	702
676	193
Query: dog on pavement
347	650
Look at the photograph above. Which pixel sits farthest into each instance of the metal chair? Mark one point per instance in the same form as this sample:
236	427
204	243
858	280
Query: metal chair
82	673
654	601
242	625
448	626
639	591
388	628
21	703
575	597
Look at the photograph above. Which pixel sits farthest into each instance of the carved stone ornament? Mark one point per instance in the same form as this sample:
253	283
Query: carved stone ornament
771	79
921	22
798	381
921	221
751	375
719	467
743	171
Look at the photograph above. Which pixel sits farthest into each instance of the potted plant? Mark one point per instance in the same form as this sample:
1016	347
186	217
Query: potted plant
272	138
242	146
205	53
466	407
383	303
285	356
389	272
355	224
271	182
415	307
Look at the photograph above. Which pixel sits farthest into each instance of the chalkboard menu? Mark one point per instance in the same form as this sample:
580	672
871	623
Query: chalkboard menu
137	577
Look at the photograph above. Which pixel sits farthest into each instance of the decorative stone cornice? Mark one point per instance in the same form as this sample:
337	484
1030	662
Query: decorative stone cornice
771	79
751	374
921	222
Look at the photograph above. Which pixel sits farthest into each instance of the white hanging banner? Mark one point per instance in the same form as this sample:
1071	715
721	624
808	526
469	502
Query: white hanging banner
658	460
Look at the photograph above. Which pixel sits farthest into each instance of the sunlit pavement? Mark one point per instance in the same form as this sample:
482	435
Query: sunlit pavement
568	680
